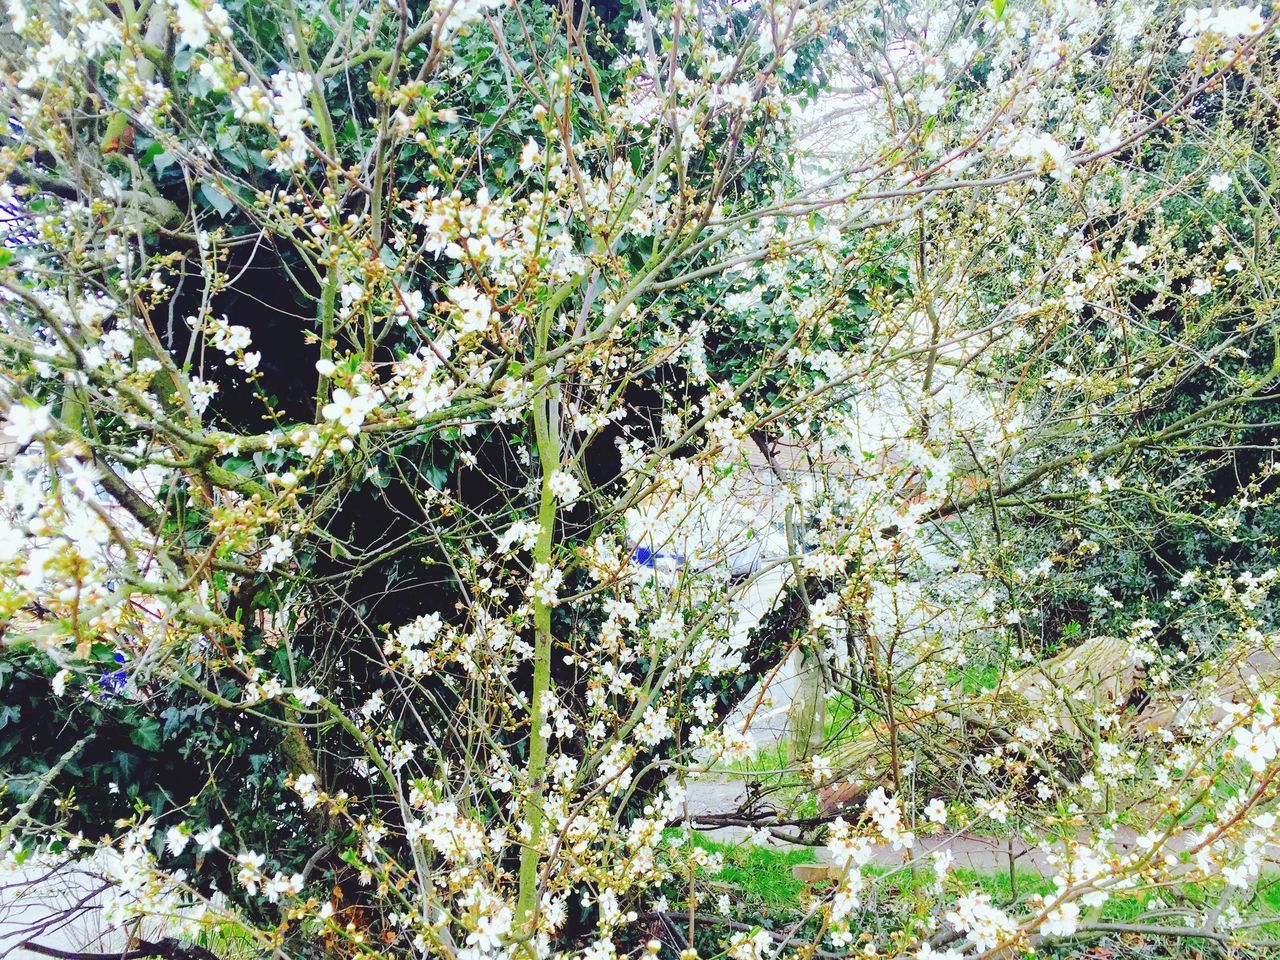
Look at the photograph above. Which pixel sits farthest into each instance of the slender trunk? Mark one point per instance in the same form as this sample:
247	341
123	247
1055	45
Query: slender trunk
547	436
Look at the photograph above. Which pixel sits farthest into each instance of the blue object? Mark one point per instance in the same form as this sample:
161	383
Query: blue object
647	557
113	681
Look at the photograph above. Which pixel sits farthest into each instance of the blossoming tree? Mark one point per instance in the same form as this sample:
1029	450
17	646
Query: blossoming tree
434	426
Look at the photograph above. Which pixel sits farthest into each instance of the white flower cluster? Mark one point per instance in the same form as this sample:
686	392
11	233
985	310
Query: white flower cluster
457	14
1258	743
25	423
277	551
349	409
252	877
1062	920
886	813
565	486
457	838
985	924
284	109
458	228
139	888
231	339
417	381
489	921
1219	23
545	582
750	946
845	846
522	535
199	20
474	309
1044	152
262	687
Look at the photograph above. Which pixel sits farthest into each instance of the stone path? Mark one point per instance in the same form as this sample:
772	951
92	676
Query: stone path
712	797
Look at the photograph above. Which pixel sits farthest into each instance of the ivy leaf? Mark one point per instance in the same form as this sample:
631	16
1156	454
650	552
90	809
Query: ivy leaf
147	735
217	199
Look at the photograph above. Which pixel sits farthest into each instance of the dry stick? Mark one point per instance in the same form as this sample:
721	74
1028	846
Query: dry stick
168	948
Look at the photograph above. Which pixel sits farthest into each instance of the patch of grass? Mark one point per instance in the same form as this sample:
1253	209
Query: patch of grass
771	760
757	879
764	876
761	888
1267	904
997	883
841	725
976	677
229	941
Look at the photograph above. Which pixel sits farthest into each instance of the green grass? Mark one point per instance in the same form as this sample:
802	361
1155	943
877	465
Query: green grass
764	876
840	726
760	883
229	941
1268	895
756	878
976	677
844	721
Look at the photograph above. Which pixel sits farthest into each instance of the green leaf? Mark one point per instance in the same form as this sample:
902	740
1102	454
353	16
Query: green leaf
217	199
147	735
241	468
